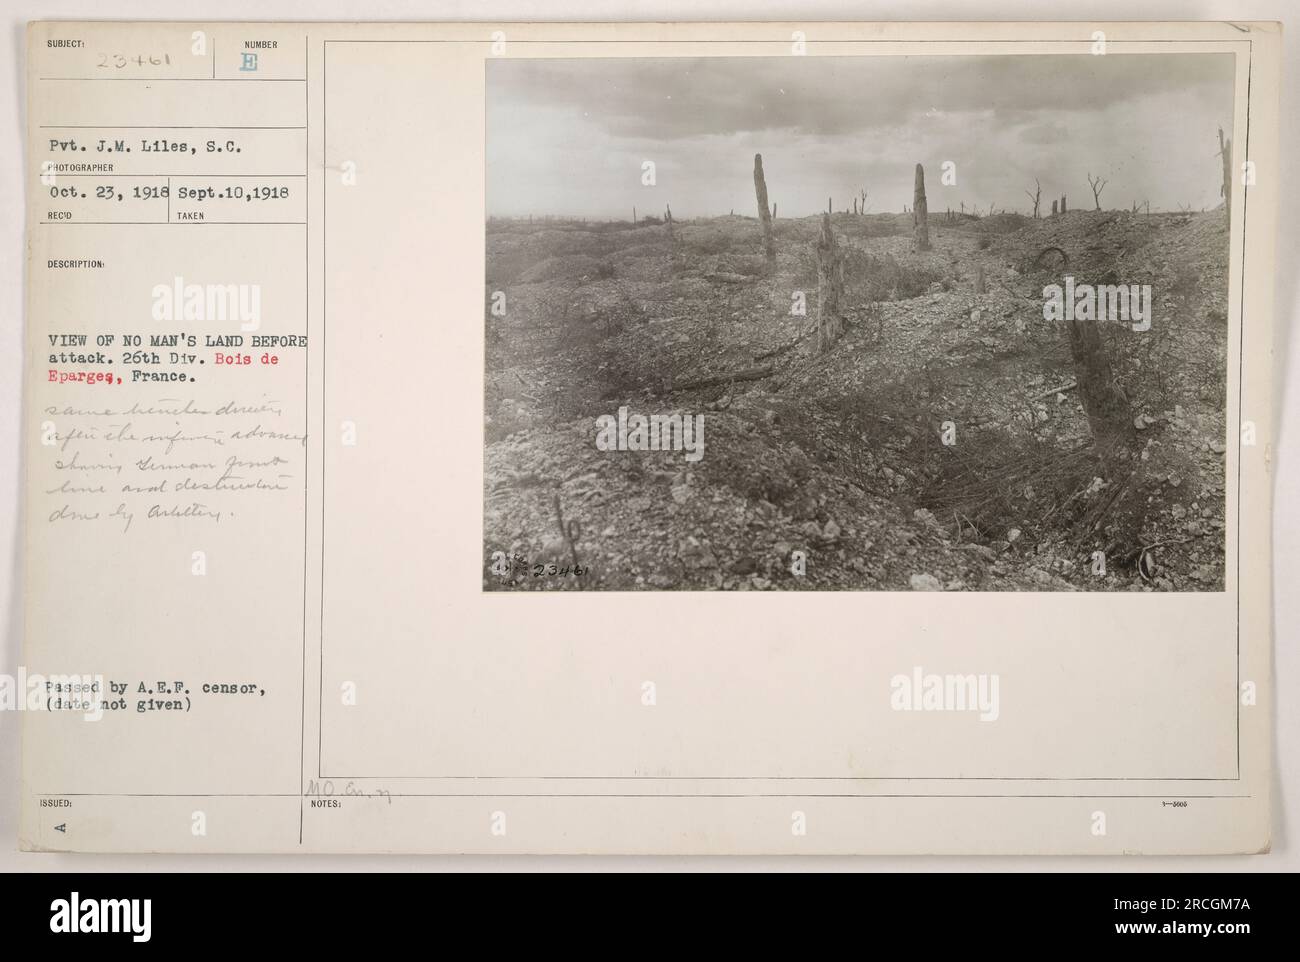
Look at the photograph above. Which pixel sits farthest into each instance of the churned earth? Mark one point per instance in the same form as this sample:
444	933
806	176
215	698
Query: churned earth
939	445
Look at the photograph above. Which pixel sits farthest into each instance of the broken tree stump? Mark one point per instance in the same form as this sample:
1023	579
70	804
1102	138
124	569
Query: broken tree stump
760	192
1110	416
1225	152
830	285
920	221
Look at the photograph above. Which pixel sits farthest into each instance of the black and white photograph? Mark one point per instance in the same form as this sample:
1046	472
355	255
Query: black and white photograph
401	399
953	323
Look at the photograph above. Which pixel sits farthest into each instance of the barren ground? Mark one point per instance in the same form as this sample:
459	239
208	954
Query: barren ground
839	455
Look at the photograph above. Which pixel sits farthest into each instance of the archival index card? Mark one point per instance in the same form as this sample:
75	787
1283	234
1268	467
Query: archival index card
665	438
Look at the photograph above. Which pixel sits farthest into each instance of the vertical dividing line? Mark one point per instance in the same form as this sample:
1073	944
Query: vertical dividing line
324	364
306	410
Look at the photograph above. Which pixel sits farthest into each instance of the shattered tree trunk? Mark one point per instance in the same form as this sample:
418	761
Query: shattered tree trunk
980	287
1062	203
1225	151
1110	416
760	191
1055	206
830	285
668	219
1036	197
920	223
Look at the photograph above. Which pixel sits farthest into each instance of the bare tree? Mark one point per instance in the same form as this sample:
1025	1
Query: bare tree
1035	196
1097	186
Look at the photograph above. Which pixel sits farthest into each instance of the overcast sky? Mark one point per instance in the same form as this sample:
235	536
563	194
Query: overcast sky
570	136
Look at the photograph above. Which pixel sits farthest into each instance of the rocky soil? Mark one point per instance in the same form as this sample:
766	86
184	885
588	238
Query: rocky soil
839	459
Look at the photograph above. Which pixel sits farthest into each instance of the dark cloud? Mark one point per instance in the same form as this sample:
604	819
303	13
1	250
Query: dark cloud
571	136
